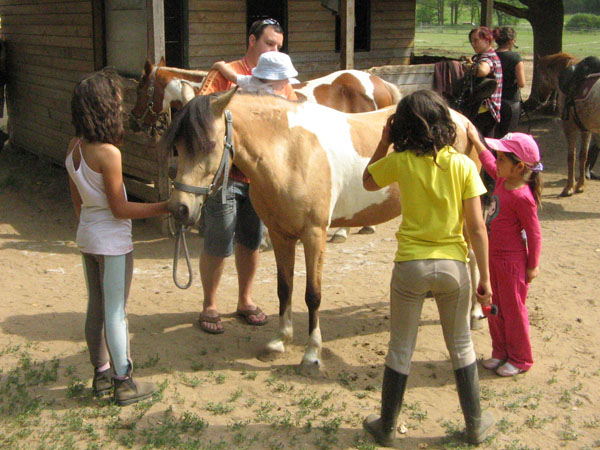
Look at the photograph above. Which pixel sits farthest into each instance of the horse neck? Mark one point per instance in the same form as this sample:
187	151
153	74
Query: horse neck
259	128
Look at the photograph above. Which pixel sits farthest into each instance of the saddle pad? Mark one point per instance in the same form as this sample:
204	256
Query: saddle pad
586	87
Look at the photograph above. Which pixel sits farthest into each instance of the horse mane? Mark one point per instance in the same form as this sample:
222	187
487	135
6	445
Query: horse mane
192	124
558	61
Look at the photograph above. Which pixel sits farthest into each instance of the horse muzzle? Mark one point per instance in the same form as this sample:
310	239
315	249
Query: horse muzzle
185	212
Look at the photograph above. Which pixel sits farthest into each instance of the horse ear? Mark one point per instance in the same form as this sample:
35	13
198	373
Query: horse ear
218	105
148	67
162	62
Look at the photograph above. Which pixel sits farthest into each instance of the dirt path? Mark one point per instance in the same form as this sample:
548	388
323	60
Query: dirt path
246	403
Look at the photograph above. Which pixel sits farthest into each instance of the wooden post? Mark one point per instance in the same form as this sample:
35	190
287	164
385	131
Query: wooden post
347	34
155	23
487	13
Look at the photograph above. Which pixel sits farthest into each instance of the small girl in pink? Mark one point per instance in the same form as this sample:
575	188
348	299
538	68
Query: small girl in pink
514	258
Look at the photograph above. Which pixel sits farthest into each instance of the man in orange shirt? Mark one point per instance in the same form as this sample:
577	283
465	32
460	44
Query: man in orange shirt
236	219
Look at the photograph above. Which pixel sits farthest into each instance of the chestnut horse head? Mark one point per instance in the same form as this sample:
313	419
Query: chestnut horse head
161	88
305	165
350	91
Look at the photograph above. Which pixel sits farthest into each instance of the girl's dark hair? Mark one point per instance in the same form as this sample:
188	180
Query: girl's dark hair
96	110
503	35
533	179
422	123
482	33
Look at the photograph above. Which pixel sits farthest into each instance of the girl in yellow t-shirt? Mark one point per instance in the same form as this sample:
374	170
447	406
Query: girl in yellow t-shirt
438	188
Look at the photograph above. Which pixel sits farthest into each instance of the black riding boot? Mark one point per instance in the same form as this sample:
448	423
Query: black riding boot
591	160
383	428
478	425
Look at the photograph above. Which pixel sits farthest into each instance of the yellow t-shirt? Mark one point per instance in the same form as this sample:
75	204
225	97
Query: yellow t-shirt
432	201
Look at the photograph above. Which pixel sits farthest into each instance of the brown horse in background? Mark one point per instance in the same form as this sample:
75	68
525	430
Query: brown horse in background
583	118
312	181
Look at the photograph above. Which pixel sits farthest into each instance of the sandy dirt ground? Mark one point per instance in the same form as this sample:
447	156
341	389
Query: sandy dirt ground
215	393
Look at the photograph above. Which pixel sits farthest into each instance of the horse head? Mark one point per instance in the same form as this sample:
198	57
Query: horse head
201	163
149	100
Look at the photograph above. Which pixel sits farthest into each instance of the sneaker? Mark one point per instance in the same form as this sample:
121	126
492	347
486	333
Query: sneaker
492	363
102	383
129	391
508	370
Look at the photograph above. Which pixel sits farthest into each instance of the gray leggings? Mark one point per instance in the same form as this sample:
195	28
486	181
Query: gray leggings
448	281
108	279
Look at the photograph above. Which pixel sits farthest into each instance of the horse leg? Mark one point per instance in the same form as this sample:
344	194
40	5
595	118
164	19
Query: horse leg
593	151
586	137
476	312
340	235
285	251
570	130
314	250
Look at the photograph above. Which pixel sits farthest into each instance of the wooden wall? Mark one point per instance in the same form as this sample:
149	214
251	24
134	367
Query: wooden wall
50	46
217	30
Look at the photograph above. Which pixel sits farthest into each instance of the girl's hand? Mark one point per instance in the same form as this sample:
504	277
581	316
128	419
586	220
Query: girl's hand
484	293
532	273
385	133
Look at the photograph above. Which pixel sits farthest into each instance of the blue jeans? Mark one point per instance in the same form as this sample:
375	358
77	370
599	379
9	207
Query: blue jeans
221	223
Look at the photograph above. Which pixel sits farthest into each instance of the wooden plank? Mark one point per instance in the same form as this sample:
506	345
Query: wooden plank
40	91
13	20
57	63
217	39
155	24
58	41
47	8
141	190
57	52
205	16
216	5
235	28
52	30
71	75
33	2
216	50
309	5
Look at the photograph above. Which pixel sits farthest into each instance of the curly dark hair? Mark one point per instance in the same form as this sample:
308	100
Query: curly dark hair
503	35
422	123
96	111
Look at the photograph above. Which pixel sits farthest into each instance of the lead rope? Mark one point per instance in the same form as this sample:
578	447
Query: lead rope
179	240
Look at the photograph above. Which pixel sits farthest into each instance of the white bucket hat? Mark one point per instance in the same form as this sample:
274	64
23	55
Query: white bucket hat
274	66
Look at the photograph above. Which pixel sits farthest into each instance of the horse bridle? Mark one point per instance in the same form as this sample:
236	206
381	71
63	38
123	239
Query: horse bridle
139	121
228	153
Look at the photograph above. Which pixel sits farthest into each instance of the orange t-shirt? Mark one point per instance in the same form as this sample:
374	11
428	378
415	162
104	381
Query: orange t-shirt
215	82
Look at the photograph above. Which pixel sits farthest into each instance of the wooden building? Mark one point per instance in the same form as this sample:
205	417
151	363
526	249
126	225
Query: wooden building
52	43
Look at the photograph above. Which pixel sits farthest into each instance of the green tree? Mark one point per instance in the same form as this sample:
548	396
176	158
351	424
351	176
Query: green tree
546	18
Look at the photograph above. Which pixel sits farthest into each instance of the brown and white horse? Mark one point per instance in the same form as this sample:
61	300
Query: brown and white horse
305	164
586	111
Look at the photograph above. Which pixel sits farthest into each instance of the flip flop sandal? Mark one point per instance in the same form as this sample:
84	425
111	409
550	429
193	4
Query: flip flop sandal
203	318
246	314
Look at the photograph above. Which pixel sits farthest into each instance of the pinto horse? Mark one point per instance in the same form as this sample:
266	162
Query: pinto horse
305	164
584	116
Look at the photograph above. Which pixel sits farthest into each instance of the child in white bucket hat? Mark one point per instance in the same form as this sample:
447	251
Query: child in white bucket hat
272	74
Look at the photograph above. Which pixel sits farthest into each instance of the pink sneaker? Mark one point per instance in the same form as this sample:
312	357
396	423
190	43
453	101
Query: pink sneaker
508	370
492	363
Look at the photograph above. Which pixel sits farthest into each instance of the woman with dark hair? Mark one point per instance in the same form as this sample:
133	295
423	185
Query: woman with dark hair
513	78
104	231
439	187
487	65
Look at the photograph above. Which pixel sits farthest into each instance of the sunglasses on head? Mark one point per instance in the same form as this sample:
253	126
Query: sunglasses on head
263	23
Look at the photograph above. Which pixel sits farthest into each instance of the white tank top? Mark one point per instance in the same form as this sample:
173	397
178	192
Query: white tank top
99	231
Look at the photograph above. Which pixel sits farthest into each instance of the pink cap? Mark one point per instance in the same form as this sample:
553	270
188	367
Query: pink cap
522	145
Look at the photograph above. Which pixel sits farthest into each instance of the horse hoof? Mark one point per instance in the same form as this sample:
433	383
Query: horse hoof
337	239
579	189
310	368
567	192
366	230
476	323
268	356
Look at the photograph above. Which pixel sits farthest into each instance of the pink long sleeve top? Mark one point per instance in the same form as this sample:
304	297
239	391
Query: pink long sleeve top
512	211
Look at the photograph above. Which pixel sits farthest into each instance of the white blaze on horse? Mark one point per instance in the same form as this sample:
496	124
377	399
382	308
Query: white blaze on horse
583	118
305	165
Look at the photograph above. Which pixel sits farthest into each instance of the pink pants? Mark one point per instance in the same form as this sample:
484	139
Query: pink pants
510	328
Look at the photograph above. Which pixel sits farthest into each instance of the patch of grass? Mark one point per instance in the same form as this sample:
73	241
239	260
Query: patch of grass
151	361
218	408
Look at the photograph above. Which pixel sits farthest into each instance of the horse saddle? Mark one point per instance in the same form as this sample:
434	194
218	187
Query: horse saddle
572	81
470	92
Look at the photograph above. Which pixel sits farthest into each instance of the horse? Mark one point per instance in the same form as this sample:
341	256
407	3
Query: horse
305	165
160	89
583	116
350	91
